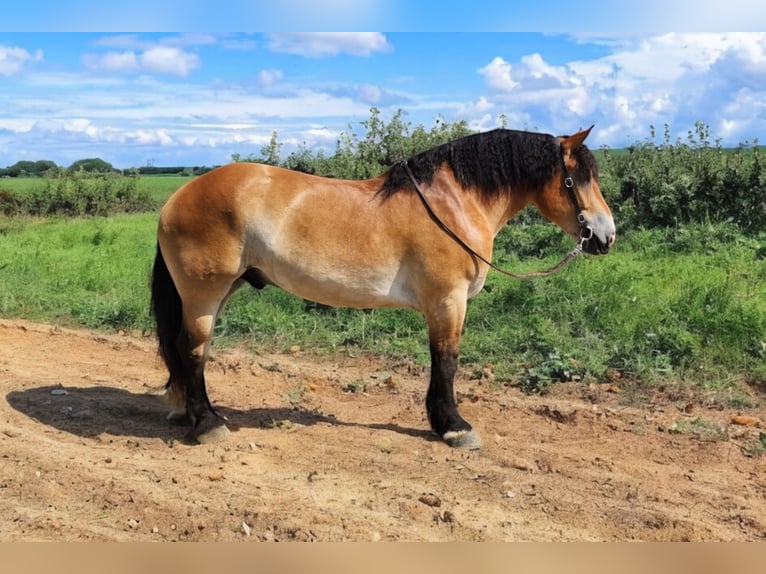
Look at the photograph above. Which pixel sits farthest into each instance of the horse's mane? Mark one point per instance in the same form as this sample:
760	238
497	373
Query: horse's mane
491	162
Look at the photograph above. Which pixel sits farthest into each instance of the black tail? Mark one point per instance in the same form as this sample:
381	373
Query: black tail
167	310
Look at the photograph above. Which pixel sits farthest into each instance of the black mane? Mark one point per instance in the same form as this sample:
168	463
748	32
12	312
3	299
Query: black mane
492	162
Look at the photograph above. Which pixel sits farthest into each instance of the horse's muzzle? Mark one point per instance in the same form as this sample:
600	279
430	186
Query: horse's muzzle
596	246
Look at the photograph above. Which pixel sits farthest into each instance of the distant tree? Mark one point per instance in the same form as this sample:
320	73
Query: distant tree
96	164
270	152
27	168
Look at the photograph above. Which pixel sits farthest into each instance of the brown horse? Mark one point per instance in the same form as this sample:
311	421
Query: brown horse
418	236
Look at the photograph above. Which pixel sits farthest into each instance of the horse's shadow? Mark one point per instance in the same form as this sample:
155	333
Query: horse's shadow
91	411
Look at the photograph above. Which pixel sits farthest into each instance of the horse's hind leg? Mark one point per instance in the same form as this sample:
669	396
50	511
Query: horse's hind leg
199	316
445	323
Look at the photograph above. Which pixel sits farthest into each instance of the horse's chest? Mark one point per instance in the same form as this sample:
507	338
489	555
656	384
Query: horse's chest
476	285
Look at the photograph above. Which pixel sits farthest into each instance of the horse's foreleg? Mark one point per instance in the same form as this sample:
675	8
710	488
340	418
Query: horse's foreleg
445	325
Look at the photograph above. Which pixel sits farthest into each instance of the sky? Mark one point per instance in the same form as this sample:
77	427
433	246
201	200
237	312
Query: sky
198	96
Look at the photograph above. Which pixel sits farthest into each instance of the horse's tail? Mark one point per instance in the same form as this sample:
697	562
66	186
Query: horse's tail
168	314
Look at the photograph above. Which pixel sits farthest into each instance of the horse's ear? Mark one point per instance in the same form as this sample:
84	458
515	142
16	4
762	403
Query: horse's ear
576	140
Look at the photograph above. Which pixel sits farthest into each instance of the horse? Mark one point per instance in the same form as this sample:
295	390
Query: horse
418	236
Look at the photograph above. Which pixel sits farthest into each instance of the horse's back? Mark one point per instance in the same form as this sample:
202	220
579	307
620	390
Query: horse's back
230	199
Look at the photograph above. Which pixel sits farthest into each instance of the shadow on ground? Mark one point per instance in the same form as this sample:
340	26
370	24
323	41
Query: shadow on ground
91	411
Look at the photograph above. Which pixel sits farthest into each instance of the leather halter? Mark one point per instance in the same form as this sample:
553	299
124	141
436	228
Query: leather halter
585	231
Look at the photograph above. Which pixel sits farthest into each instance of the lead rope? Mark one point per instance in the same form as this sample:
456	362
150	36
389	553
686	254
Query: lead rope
585	233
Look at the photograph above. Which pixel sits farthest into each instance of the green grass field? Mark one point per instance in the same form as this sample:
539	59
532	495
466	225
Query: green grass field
687	304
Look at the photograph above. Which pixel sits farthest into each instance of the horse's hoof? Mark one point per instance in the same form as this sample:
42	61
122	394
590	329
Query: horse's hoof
466	440
216	434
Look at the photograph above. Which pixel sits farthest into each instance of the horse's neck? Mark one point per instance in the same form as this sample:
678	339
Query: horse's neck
504	207
489	213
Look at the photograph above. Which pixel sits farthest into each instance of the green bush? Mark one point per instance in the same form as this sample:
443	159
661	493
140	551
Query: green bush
671	184
81	193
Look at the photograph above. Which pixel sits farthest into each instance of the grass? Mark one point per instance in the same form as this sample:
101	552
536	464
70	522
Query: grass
86	272
160	187
687	304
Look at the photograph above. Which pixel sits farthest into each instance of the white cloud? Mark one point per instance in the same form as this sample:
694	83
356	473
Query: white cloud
155	58
112	62
320	136
168	60
497	74
322	44
13	58
149	137
475	108
538	69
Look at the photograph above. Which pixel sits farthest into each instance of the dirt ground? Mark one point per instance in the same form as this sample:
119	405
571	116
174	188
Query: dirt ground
337	448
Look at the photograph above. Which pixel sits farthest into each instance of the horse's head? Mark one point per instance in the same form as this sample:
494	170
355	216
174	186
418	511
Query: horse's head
573	198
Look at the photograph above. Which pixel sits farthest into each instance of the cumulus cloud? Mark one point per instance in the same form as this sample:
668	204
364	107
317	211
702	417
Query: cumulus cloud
322	44
13	59
169	60
497	74
156	59
667	78
537	69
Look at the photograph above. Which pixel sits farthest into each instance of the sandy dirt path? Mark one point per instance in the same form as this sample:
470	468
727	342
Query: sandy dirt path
337	448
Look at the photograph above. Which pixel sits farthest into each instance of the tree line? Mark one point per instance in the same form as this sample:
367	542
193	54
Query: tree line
648	184
47	168
96	165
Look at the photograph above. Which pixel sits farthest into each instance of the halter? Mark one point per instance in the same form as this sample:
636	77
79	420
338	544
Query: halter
585	231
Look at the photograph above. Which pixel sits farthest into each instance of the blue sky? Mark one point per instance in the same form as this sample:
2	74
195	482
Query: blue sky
195	98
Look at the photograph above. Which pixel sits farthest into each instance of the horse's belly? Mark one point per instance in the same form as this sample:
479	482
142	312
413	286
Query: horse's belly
343	260
338	289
